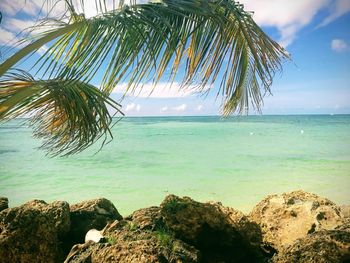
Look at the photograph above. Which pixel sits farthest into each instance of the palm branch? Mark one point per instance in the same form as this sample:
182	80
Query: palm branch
206	42
67	115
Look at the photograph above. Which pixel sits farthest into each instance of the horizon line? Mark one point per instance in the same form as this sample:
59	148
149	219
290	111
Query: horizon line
248	115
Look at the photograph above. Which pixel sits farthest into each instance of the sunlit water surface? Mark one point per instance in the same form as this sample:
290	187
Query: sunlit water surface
237	161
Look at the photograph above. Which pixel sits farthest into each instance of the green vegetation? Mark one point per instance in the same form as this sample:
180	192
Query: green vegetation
218	43
165	238
111	239
131	226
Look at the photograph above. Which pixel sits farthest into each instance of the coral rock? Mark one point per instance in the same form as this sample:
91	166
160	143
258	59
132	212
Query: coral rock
345	209
4	203
33	232
147	218
325	246
287	217
132	244
209	229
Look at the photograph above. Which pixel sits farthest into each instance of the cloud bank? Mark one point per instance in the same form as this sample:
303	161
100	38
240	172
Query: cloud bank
289	17
133	107
161	90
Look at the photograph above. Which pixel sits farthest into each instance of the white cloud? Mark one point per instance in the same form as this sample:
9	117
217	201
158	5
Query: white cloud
7	37
199	108
181	107
288	35
17	25
163	109
133	107
17	32
339	8
35	8
13	30
161	90
10	39
27	26
12	7
289	17
286	15
339	45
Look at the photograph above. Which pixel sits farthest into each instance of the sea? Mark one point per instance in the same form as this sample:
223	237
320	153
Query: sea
236	161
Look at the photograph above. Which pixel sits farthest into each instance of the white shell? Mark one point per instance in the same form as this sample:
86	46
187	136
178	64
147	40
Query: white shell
93	235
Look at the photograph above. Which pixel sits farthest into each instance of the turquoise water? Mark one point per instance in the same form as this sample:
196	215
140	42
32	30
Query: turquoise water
237	161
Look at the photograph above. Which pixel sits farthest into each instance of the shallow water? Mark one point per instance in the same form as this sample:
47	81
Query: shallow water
237	161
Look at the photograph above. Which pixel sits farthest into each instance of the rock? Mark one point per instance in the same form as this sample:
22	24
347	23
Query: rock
345	209
287	217
140	237
33	232
92	214
181	230
94	236
4	203
132	244
147	218
345	226
82	252
248	229
325	246
209	229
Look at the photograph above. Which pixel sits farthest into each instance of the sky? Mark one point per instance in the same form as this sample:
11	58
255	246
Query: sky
315	32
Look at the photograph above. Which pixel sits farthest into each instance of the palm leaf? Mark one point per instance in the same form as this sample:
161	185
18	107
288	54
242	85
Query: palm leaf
138	43
67	115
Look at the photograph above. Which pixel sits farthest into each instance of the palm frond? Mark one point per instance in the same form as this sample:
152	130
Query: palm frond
206	41
67	115
214	39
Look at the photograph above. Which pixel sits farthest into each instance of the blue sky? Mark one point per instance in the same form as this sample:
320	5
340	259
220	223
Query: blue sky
315	32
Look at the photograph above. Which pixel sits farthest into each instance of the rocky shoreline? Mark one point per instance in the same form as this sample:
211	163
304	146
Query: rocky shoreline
291	227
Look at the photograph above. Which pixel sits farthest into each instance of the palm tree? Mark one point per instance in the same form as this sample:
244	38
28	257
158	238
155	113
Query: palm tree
199	40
